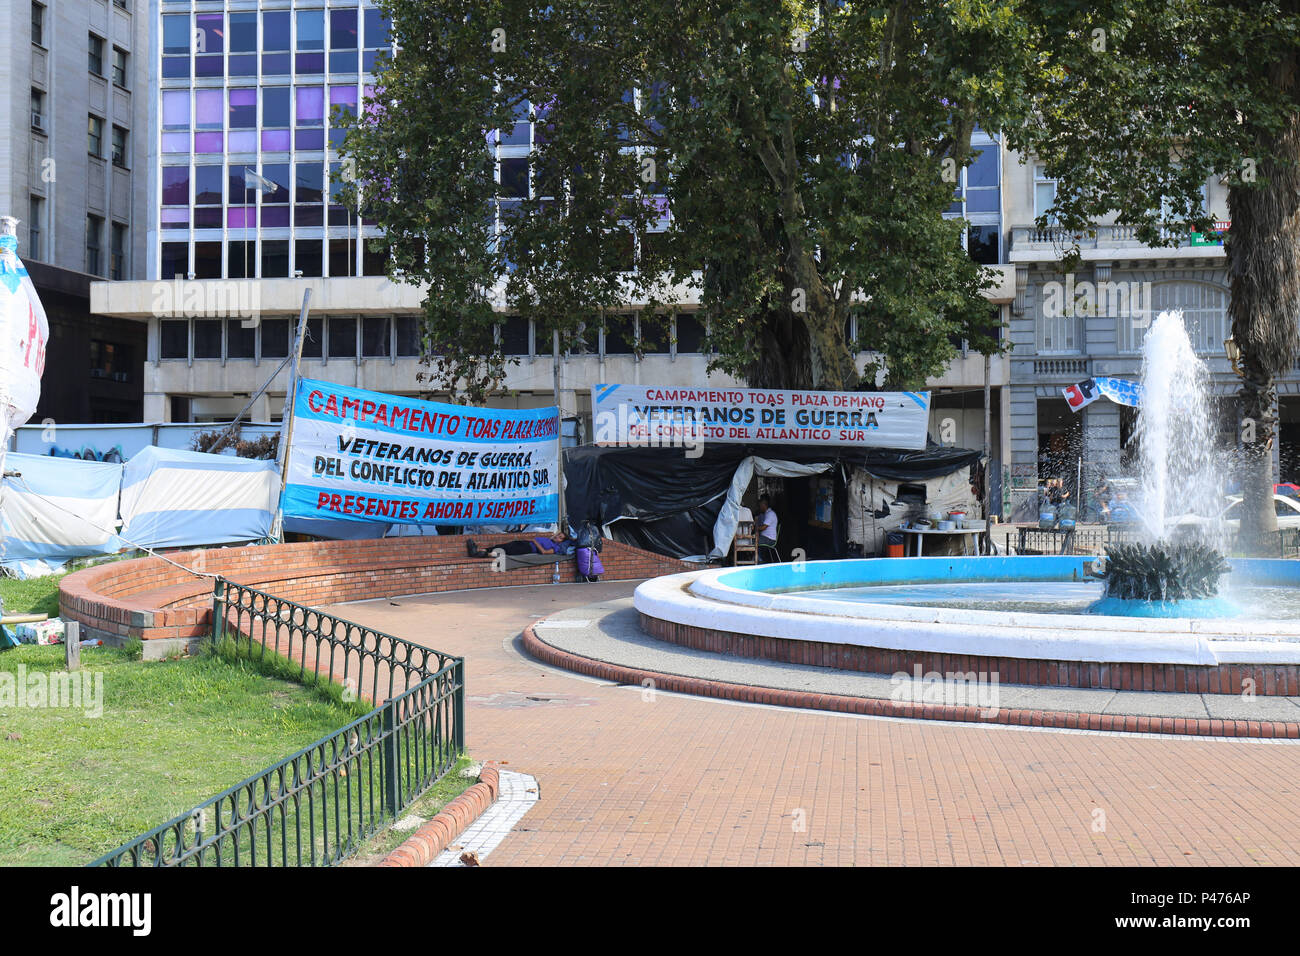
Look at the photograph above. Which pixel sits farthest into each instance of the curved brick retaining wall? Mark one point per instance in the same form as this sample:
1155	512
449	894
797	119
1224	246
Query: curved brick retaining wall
156	601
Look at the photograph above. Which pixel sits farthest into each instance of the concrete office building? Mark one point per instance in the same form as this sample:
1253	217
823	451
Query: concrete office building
249	86
74	162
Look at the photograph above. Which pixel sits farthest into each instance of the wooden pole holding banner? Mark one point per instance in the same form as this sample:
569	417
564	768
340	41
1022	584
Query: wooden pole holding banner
290	399
559	445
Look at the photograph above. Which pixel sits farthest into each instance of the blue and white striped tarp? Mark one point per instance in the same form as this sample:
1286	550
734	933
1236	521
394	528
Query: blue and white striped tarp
176	498
58	509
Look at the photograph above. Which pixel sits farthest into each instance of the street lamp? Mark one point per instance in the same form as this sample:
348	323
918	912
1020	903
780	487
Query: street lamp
1234	353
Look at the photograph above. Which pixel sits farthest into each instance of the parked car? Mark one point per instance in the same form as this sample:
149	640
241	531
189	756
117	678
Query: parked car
1285	507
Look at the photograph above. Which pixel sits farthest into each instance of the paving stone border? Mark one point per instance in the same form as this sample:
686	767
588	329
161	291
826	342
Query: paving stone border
424	845
880	707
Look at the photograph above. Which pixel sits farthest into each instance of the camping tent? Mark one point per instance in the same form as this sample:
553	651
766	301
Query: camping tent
176	498
661	500
57	509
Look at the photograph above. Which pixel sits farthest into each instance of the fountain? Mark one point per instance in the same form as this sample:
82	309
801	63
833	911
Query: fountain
1173	570
1155	621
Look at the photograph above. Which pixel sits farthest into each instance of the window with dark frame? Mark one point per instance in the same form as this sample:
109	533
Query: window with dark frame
95	136
94	238
95	55
119	67
117	252
118	147
38	24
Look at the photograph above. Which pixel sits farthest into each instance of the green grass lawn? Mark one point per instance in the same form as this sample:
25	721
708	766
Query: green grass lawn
34	596
424	806
172	733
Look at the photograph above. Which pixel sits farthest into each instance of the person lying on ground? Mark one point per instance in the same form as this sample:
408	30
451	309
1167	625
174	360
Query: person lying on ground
559	543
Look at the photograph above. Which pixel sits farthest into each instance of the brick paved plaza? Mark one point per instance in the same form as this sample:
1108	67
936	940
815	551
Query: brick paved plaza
628	777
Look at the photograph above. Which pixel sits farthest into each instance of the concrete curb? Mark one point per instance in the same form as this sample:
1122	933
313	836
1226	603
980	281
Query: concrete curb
879	707
424	845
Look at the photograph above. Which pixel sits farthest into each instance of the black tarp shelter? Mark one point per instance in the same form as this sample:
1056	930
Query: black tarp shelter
659	499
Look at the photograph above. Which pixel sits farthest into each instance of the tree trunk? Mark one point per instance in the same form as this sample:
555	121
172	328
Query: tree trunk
1263	250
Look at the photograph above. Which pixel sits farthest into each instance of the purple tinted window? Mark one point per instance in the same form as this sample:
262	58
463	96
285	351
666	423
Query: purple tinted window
376	29
176	185
243	65
209	108
176	109
240	217
243	32
208	142
311	105
175	142
210	33
310	62
243	141
175	67
243	109
208	66
275	216
343	30
275	140
175	218
309	139
344	96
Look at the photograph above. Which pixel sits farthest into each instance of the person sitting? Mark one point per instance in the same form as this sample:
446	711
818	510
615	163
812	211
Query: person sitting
1120	508
766	522
559	543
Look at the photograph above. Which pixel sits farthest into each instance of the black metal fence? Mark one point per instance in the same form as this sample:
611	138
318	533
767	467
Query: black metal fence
1027	540
317	806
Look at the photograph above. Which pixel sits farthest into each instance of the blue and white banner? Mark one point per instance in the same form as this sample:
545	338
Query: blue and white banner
55	509
641	415
1119	390
368	456
175	499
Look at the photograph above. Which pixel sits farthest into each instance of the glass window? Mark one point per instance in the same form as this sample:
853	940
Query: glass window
690	335
408	335
1044	192
174	339
38	109
95	136
343	260
374	257
94	236
38	24
983	170
207	338
514	178
243	109
620	335
117	252
176	109
277	173
240	263
118	149
35	222
176	185
207	185
275	338
514	336
209	108
982	244
119	67
517	135
275	106
243	33
209	33
343	29
275	37
310	105
95	55
310	182
307	257
343	337
207	260
377	27
374	337
275	258
175	260
240	341
343	110
313	345
311	29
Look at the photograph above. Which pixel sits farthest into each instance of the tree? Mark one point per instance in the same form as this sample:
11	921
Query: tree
788	163
1143	101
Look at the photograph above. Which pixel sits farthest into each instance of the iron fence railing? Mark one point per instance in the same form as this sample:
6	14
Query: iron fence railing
315	807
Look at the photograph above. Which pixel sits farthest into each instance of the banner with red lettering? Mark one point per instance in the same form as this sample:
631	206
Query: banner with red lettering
368	456
653	415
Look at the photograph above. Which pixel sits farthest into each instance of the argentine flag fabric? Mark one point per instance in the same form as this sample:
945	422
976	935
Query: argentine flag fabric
59	508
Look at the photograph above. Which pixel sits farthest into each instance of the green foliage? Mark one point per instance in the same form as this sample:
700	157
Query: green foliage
806	150
1163	572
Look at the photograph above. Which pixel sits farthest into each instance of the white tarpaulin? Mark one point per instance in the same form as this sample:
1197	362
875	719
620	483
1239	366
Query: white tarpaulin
868	496
724	528
56	509
176	498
